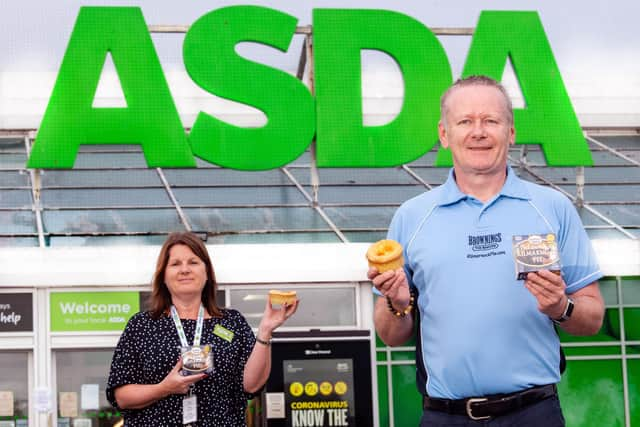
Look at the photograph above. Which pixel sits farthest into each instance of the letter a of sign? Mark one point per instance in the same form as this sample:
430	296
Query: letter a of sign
549	118
150	115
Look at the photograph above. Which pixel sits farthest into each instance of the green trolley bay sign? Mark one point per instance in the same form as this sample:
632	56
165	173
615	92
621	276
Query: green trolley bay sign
294	116
92	311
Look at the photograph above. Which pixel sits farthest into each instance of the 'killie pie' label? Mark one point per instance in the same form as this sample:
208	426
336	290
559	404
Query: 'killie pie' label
533	252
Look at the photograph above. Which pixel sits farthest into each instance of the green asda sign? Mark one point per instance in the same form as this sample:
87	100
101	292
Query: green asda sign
92	311
294	115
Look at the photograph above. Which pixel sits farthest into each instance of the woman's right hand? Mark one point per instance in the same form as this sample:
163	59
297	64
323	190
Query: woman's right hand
175	383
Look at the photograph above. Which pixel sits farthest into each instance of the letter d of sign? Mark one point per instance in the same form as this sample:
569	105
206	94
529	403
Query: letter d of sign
339	36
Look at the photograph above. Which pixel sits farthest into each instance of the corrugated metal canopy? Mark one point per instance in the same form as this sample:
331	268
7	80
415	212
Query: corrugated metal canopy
111	197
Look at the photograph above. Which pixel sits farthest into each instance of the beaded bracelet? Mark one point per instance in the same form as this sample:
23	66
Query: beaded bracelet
263	342
404	312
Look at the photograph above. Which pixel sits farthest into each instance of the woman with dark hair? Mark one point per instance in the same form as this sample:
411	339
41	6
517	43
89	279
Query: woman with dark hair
186	360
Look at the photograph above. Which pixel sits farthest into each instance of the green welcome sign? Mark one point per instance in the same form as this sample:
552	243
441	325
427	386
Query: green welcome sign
294	115
92	311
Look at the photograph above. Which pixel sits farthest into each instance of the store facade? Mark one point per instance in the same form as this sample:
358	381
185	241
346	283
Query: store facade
78	245
61	323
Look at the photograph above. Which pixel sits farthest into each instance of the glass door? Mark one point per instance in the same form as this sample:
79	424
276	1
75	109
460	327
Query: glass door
14	388
81	377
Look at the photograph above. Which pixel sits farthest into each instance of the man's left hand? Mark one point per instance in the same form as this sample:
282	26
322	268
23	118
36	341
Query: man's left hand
549	290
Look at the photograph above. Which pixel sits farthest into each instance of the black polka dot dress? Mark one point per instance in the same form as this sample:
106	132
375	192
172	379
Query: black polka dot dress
147	351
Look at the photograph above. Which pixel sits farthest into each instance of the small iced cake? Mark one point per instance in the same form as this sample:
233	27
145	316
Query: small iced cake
282	297
385	255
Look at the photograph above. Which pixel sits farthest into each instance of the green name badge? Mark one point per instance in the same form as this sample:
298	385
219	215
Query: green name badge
223	333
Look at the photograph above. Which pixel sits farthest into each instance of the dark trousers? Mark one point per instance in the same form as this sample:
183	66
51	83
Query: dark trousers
546	413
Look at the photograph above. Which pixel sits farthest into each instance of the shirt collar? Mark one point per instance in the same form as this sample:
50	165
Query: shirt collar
513	187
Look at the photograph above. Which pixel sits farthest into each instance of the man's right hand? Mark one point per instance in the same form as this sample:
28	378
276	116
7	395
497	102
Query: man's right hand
393	285
392	329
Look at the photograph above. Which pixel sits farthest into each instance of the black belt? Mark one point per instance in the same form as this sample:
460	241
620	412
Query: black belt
481	408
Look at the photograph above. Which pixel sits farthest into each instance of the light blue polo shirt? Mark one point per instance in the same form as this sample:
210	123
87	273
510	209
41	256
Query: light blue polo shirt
481	330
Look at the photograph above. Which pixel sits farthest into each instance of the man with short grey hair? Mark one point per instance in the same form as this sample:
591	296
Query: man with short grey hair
486	348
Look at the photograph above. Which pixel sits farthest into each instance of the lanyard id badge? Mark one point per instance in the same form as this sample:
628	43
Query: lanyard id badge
189	409
189	402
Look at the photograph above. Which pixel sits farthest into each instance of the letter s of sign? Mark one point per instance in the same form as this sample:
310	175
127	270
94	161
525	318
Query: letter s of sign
212	63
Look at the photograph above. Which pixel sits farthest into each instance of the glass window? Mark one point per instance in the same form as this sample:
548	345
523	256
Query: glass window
634	391
13	179
522	173
365	236
100	178
433	176
14	383
99	197
605	233
365	176
609	290
18	241
428	159
631	291
588	218
534	154
381	194
157	240
326	307
303	159
610	330
591	391
632	324
12	160
364	218
625	215
226	196
112	220
617	174
620	142
605	158
88	371
94	160
15	199
220	177
407	403
12	153
17	222
267	238
253	219
605	192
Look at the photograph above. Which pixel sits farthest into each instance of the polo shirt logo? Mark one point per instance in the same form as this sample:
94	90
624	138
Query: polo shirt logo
485	242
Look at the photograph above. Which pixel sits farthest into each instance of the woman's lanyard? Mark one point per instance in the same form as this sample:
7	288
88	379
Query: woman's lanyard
190	402
180	329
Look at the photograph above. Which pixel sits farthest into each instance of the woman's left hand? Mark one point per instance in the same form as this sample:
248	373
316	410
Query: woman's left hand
274	317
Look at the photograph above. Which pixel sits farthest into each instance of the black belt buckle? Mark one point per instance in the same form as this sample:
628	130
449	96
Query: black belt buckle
469	408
